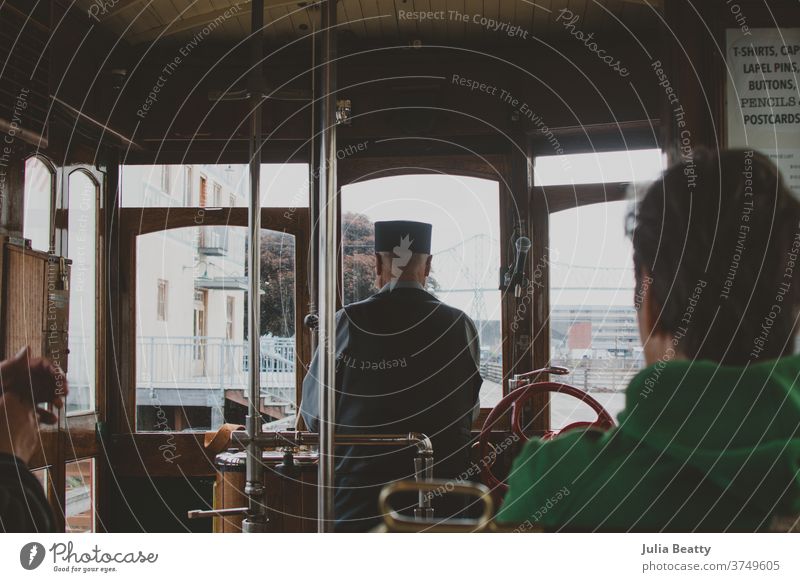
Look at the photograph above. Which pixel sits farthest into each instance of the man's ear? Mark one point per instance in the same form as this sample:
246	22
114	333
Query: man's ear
378	264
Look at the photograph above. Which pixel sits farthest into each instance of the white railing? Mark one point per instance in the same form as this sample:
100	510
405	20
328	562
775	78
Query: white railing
214	240
492	371
215	364
610	374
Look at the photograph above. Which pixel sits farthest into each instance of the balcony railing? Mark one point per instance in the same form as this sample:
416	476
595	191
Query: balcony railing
600	375
213	241
215	364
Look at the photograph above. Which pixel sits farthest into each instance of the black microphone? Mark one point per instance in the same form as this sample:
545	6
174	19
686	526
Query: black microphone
523	245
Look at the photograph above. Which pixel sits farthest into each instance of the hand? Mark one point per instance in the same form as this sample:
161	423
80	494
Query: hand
34	379
18	426
24	383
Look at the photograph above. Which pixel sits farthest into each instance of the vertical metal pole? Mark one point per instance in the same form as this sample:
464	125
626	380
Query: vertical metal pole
254	487
314	169
327	268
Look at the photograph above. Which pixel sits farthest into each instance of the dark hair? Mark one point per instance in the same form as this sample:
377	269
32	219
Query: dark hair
719	236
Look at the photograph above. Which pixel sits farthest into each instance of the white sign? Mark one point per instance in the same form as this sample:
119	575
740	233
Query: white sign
653	557
763	98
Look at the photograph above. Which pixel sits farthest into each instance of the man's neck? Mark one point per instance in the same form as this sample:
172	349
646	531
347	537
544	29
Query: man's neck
402	284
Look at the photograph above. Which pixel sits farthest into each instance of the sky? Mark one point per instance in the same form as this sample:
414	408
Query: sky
465	215
588	246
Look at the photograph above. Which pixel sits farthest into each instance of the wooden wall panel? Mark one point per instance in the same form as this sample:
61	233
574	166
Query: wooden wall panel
25	274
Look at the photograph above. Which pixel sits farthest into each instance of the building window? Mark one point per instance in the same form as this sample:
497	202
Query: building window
163	298
230	308
217	194
200	330
203	192
165	179
282	185
188	195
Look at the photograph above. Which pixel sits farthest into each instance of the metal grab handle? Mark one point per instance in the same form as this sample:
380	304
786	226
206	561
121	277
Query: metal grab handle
423	472
519	380
555	370
399	523
205	513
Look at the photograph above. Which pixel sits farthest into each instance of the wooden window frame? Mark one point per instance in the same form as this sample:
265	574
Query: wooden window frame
137	453
492	167
53	189
75	435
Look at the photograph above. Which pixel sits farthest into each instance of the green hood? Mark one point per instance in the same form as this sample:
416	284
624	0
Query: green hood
738	426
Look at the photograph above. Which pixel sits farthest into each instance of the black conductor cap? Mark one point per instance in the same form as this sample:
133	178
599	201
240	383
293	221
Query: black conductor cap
404	235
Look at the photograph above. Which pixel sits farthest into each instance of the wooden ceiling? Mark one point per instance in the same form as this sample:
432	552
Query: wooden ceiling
175	21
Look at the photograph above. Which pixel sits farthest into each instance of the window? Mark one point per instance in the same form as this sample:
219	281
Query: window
217	194
282	185
188	186
200	331
37	219
80	496
230	311
82	250
192	374
203	201
593	326
597	167
465	215
165	179
163	298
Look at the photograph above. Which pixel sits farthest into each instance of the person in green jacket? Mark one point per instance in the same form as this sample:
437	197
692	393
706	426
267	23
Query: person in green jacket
709	439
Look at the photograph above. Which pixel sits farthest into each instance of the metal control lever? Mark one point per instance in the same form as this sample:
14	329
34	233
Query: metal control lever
519	380
205	513
256	519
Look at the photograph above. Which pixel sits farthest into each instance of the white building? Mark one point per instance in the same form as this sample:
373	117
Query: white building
190	305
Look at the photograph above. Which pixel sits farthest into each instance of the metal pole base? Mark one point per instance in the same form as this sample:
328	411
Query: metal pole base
425	513
250	526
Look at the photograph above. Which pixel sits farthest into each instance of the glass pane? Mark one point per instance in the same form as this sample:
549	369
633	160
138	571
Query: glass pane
37	219
80	496
593	329
191	353
596	167
213	185
82	250
465	215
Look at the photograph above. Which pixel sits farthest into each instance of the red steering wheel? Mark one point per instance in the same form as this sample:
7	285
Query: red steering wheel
516	400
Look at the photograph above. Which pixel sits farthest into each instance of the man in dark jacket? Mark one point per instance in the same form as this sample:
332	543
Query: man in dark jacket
406	362
25	381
